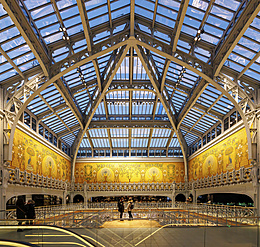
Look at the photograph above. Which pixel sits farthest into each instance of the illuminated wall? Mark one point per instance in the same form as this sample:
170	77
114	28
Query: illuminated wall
232	153
32	156
129	172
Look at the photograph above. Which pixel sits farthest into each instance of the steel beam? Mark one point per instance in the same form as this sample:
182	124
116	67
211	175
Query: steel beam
203	114
154	13
55	113
65	92
211	113
194	132
133	148
12	63
249	64
132	17
191	100
48	113
121	137
130	141
178	23
66	131
149	141
109	14
244	16
90	142
87	32
169	142
110	124
29	31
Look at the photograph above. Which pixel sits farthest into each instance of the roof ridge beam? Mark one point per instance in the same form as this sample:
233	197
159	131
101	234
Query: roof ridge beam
178	24
87	33
132	18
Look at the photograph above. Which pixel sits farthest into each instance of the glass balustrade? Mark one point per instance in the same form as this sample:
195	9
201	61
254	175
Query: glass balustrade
71	225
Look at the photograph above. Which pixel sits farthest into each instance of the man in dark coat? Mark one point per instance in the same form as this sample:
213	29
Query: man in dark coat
121	207
30	212
20	212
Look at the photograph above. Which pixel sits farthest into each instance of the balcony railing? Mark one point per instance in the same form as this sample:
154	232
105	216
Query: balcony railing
15	176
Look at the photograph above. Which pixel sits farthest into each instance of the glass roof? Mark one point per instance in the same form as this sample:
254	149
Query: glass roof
133	114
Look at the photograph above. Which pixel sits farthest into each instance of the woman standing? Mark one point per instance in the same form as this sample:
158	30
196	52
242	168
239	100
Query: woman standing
129	208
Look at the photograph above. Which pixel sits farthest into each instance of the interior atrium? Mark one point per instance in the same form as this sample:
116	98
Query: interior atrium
141	98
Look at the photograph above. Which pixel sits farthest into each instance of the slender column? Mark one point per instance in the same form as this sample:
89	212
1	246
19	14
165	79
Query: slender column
193	192
173	195
3	171
85	195
254	175
1	127
256	164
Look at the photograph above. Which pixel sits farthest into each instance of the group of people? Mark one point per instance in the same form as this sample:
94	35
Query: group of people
129	208
25	211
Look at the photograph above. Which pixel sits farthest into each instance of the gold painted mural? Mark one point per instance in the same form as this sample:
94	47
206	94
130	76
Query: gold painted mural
32	156
129	172
230	154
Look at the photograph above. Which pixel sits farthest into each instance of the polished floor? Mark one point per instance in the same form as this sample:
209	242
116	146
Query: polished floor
144	234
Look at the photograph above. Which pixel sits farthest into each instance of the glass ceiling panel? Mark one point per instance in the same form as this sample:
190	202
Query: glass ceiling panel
85	142
98	133
141	9
123	70
161	133
100	143
190	138
118	108
70	138
82	81
35	3
119	133
143	95
135	143
158	142
118	95
174	142
120	143
224	13
140	132
139	71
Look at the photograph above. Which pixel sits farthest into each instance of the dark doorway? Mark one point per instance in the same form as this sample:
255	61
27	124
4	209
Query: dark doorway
78	199
180	198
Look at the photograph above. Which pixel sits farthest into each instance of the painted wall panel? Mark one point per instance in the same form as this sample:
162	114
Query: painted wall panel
227	155
129	172
32	156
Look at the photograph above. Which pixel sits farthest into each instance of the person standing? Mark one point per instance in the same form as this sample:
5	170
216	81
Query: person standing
129	208
20	212
30	212
121	207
